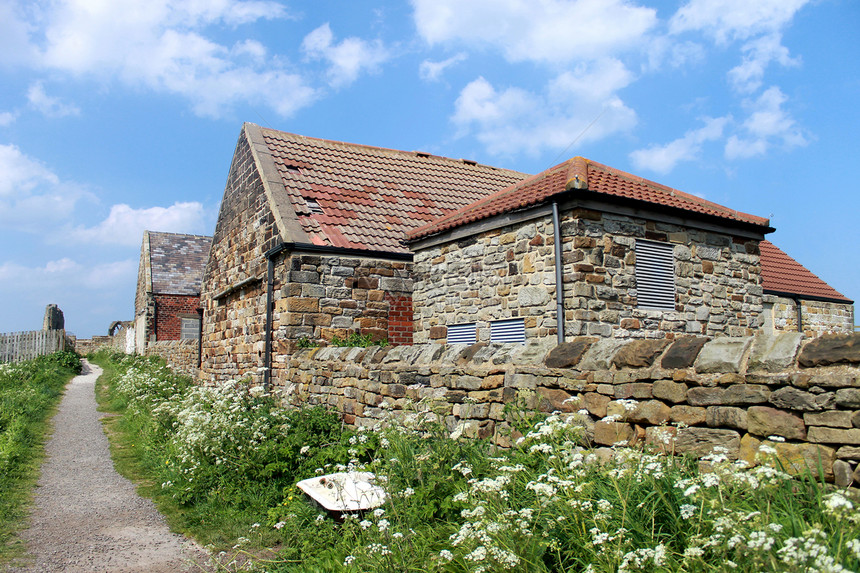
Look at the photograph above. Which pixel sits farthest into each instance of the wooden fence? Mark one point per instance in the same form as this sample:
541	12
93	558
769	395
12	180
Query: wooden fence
18	346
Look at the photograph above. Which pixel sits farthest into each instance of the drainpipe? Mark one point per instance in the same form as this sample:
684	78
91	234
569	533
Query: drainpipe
270	287
200	337
799	307
559	274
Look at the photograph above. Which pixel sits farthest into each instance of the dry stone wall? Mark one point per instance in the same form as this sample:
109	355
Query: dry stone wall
509	273
689	395
181	355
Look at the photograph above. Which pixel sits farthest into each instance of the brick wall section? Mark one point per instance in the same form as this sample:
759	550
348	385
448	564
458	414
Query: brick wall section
818	317
510	273
168	308
686	395
400	325
233	324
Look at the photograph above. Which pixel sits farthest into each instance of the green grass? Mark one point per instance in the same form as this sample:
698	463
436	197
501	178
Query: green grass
29	394
222	462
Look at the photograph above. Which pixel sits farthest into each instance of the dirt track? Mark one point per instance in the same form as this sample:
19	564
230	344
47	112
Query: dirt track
86	516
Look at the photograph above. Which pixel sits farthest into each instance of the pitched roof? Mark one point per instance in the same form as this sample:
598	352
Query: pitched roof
177	262
362	197
782	274
580	174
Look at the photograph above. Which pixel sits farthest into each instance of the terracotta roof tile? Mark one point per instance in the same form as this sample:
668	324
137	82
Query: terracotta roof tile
177	262
582	174
782	274
371	196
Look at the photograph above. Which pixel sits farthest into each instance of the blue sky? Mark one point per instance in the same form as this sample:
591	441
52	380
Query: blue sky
121	116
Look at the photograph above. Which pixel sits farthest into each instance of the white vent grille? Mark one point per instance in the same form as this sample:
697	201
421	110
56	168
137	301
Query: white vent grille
462	333
189	328
512	330
655	275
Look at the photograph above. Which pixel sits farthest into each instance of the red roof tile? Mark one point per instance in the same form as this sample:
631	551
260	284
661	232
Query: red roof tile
369	196
582	174
782	274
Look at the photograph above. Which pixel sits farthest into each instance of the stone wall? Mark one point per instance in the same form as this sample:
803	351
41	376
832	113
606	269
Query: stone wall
685	396
818	317
509	273
180	355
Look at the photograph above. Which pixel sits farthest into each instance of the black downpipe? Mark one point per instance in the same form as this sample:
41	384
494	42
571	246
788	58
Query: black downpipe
559	275
200	337
270	287
798	305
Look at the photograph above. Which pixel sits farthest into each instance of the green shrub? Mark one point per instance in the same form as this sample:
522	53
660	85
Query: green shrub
355	339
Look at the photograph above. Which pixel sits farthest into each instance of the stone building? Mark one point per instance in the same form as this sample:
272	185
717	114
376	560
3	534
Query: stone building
639	260
312	231
796	300
167	300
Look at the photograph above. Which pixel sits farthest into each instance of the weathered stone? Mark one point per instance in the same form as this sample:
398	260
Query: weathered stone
638	390
689	415
662	438
832	419
532	352
749	450
699	442
766	421
723	355
726	416
820	435
683	352
611	433
652	412
639	353
831	349
794	399
599	355
568	354
464	382
533	296
553	400
843	475
855	419
701	396
774	353
670	391
799	459
745	394
596	404
848	453
856	474
848	398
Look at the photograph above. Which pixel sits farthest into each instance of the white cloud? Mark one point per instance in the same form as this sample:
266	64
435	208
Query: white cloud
767	125
574	105
536	30
727	20
431	71
63	275
125	225
7	118
347	59
160	44
664	158
48	105
747	76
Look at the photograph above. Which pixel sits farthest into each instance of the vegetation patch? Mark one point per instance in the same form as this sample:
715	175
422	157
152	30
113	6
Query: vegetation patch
226	459
29	394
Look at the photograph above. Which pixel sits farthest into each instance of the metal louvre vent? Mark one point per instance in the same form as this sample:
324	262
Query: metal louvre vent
655	275
462	333
512	330
189	328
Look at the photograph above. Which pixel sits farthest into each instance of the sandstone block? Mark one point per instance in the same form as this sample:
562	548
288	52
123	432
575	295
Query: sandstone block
831	349
843	475
611	433
726	416
723	354
802	458
832	419
638	390
465	382
744	394
821	435
596	404
652	412
774	353
662	438
554	400
701	396
568	354
848	398
689	415
699	442
794	399
670	391
533	296
848	453
639	353
599	355
683	352
766	421
749	450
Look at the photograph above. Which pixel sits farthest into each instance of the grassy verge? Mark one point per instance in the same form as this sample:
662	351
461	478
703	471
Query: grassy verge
223	461
29	394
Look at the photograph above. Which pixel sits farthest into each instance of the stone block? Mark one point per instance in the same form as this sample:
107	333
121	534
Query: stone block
302	304
639	353
749	450
674	392
794	399
638	390
465	382
699	442
683	352
724	354
848	453
798	459
568	354
848	398
832	419
765	421
661	438
599	355
746	394
595	404
689	415
821	435
554	400
726	416
831	349
843	475
702	396
652	412
774	353
611	433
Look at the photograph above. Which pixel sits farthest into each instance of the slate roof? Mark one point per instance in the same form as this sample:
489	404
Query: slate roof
363	197
783	275
580	174
177	262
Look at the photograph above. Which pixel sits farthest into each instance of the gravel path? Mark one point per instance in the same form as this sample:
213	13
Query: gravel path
86	516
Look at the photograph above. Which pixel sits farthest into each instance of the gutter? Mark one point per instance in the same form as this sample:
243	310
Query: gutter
559	275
